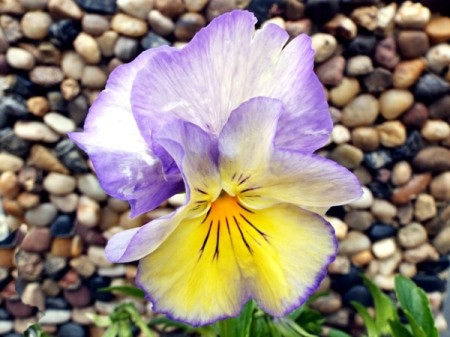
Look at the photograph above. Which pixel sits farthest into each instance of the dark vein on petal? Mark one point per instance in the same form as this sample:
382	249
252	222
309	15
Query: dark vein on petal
201	191
245	208
249	189
205	240
207	215
242	236
264	235
216	253
243	180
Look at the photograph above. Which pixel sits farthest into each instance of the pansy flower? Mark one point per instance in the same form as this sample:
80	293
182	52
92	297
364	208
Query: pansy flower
233	120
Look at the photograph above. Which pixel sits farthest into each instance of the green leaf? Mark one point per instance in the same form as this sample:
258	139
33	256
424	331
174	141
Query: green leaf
385	309
398	330
415	327
288	328
125	328
99	320
112	331
238	326
414	303
126	290
338	333
369	322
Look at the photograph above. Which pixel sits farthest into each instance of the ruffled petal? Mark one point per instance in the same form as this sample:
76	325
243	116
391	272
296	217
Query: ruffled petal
226	64
124	163
210	266
306	180
246	142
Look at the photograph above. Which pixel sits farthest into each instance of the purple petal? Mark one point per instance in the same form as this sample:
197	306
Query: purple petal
126	167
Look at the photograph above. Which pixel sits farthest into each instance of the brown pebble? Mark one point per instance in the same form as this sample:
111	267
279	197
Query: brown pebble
366	17
45	159
411	189
386	53
38	105
440	109
70	88
406	73
331	72
188	25
37	240
61	247
7	258
341	26
9	185
438	29
78	297
95	24
440	186
67	9
366	138
433	158
12	207
28	200
416	116
412	43
295	28
170	8
46	76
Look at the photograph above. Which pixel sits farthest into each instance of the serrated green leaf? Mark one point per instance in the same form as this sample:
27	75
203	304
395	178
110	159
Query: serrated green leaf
126	290
369	322
398	330
414	301
338	333
385	309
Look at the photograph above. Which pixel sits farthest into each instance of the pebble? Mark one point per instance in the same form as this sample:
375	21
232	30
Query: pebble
18	309
59	184
386	53
9	185
365	138
70	88
347	155
384	248
43	158
385	20
401	173
362	45
440	186
415	116
430	88
72	330
340	134
325	46
93	77
53	316
407	73
46	76
344	92
173	8
425	207
5	327
188	25
78	297
435	130
99	6
94	25
35	25
37	240
33	296
9	162
62	226
107	42
293	7
88	184
442	241
341	265
365	201
136	8
440	109
412	235
160	24
438	57
126	48
83	266
407	269
412	44
66	203
86	46
412	15
72	65
362	258
38	105
389	265
113	272
394	102
295	28
20	58
65	9
41	215
416	185
378	80
88	212
35	131
379	231
29	265
97	255
13	107
392	133
366	17
10	30
341	26
128	25
433	158
383	210
361	111
328	304
438	29
59	123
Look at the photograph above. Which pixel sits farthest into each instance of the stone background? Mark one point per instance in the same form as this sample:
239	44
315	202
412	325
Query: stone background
384	66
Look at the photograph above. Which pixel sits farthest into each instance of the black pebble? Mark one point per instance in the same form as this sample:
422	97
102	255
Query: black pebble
152	40
62	33
57	101
381	190
430	88
337	212
13	335
362	45
430	283
99	6
9	142
261	8
72	330
408	150
96	283
64	147
75	162
56	303
380	231
321	11
343	282
4	315
62	226
25	88
13	106
9	241
434	267
378	80
358	293
378	159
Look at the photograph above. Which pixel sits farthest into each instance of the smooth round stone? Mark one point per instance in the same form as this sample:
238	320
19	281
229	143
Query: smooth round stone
324	45
188	25
362	45
434	267
425	207
89	185
388	266
19	309
33	295
128	25
37	240
72	65
344	92
83	266
295	28
341	265
354	242
412	235
435	130
341	26
72	330
340	227
196	5
6	326
171	8
438	57
417	184
361	111
340	134
96	283
46	76
20	58
394	102
88	212
342	283
383	210
114	272
386	53
120	206
442	241
79	297
62	226
54	316
412	15
407	73
432	158
438	29
13	106
59	123
65	203
136	8
94	25
331	71
70	89
59	184
379	231
430	88
35	25
152	40
9	162
360	294
97	255
384	248
440	186
56	303
13	144
107	42
86	46
160	24
401	173
41	215
392	133
358	220
35	131
347	155
93	77
99	6
365	201
65	9
378	80
408	150
412	43
430	283
440	109
327	304
38	105
365	138
62	33
366	17
126	48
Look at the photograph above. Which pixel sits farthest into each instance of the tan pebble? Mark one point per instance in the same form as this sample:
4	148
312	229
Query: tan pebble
28	200
425	207
65	203
417	184
59	123
295	28
412	235
77	247
20	58
361	111
9	162
438	29
385	19
127	222
97	255
401	173
385	282
35	25
324	45
406	73
440	186
407	269
136	8
384	248
341	265
44	158
438	57
355	242
38	105
109	218
65	9
160	24
421	253
9	185
442	241
342	26
107	42
88	212
343	93
412	15
61	247
362	258
383	210
340	134
389	265
93	77
394	102
83	265
440	322
86	46
340	227
72	65
359	65
365	201
366	17
128	25
158	213
327	304
392	133
435	130
13	207
117	205
170	8
35	131
365	138
70	88
347	155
